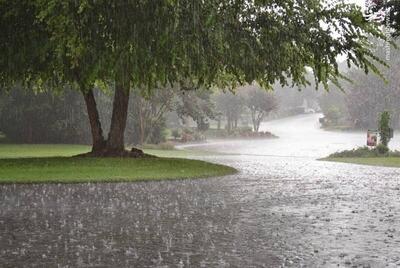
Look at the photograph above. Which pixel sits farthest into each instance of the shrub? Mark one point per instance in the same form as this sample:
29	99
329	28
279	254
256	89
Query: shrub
382	149
160	146
176	133
198	136
379	151
384	128
333	114
44	117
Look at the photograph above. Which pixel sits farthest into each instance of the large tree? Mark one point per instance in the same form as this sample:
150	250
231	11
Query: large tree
145	44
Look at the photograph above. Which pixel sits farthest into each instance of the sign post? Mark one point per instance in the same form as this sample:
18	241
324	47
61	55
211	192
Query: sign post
372	138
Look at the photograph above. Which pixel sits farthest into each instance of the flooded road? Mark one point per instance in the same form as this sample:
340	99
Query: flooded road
283	209
299	136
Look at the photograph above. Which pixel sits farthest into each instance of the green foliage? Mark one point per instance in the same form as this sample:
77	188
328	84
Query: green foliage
384	128
382	149
160	146
368	95
145	44
333	114
259	102
27	117
192	135
203	42
196	104
393	6
231	106
146	116
379	151
176	133
240	132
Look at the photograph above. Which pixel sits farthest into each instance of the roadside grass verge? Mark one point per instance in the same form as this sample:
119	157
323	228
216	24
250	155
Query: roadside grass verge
379	156
371	161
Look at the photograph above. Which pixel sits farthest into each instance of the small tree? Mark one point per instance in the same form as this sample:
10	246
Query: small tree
260	103
384	128
196	104
146	115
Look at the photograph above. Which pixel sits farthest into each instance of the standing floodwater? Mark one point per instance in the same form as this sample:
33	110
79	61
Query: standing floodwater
284	208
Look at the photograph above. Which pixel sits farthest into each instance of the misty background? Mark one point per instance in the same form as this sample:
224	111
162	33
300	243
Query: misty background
187	114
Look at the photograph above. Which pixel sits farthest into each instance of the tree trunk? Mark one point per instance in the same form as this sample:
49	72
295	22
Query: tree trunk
141	122
115	142
94	120
253	119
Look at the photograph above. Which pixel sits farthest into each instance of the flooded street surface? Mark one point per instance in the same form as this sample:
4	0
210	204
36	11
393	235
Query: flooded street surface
283	209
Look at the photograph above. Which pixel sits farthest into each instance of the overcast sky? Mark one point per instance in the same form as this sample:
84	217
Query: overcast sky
359	2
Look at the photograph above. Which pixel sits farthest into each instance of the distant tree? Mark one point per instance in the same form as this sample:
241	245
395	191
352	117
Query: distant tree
259	102
231	105
146	115
176	134
368	95
333	106
196	104
43	117
384	128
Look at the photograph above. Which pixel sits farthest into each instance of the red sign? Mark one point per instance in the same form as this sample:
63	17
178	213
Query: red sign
372	138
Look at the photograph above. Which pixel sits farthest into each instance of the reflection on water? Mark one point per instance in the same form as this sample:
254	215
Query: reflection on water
278	211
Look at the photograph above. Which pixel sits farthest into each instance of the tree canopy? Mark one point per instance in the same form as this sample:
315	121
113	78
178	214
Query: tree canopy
386	12
146	44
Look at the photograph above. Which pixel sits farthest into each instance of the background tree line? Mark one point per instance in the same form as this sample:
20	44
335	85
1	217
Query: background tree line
45	117
367	96
51	45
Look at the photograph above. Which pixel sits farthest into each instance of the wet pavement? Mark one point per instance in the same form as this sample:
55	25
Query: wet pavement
283	209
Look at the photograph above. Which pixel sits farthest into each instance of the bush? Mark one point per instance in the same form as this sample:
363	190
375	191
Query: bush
379	151
160	146
176	134
157	133
333	114
28	117
382	149
198	136
384	128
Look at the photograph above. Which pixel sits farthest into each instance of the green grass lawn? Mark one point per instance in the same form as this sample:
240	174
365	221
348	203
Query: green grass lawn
40	150
52	163
52	150
371	161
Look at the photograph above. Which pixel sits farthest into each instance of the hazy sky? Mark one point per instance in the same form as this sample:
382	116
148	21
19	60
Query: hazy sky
359	2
